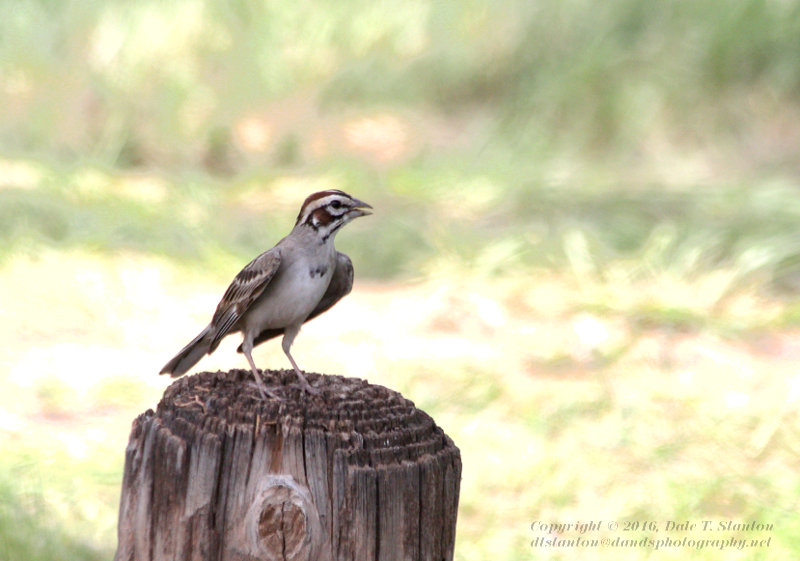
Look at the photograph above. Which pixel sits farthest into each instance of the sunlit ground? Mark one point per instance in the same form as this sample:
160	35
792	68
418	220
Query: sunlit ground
561	413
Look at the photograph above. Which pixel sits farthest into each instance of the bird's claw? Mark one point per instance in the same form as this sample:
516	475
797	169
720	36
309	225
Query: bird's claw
265	392
311	390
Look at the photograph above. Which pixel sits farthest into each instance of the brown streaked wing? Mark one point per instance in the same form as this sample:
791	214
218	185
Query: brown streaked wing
340	286
242	292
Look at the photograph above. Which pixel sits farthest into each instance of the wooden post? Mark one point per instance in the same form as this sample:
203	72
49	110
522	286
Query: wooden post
356	473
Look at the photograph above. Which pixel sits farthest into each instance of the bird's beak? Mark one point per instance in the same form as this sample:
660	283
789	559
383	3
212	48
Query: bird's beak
359	209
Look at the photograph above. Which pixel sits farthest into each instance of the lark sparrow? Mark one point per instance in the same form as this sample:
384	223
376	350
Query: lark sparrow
295	281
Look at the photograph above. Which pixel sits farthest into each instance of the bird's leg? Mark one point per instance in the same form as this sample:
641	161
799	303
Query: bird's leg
247	347
288	338
303	382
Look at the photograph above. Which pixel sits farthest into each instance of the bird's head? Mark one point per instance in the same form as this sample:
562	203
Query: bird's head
327	211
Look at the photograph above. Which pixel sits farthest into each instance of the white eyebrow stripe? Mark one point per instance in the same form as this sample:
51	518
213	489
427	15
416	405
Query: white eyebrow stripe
322	202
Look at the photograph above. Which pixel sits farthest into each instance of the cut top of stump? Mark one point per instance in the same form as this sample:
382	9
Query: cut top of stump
377	425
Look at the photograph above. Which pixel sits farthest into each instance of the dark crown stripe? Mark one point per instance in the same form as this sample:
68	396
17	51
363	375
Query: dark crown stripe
309	203
314	196
304	210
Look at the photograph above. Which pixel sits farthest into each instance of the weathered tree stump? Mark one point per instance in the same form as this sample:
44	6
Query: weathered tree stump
356	473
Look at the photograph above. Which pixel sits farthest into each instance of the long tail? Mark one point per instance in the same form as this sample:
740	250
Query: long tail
189	355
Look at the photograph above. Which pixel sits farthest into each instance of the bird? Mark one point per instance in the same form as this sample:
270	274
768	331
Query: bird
295	281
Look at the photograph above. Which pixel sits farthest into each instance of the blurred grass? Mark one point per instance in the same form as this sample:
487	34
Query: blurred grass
431	222
120	82
664	131
600	203
56	488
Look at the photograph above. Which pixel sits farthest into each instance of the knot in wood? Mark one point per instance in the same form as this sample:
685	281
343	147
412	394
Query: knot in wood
283	523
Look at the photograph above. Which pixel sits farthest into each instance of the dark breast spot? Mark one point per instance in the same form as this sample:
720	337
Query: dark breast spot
318	271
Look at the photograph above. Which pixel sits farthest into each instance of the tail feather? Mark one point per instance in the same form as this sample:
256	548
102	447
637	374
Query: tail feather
189	355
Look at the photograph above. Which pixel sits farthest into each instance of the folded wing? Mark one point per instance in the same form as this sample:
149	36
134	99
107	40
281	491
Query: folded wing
242	292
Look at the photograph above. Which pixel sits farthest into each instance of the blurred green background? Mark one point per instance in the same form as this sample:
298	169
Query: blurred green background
584	260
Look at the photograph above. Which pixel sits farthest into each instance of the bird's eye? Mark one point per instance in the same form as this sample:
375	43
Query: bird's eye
336	204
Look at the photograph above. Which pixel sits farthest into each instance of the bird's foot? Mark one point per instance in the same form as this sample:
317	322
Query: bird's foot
303	383
264	390
309	389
